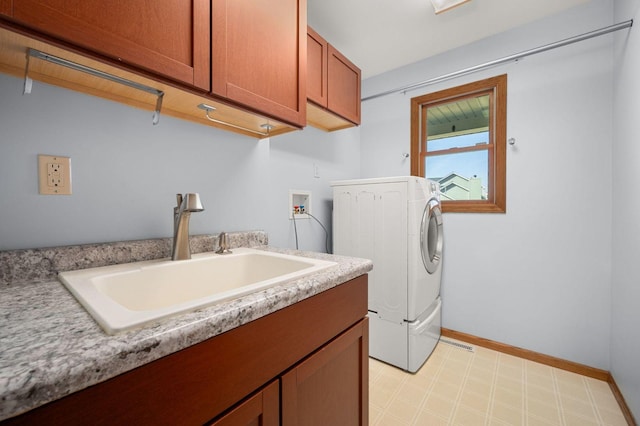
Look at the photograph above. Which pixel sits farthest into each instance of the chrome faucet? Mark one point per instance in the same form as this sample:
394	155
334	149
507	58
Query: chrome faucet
181	213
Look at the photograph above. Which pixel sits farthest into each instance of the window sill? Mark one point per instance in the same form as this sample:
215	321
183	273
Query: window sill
472	207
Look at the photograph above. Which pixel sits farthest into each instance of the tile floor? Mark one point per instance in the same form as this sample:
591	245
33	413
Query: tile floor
484	387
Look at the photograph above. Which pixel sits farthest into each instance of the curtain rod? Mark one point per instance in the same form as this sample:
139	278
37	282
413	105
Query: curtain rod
510	58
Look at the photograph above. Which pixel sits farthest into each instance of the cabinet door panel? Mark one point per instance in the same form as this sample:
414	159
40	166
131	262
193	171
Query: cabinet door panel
6	7
169	37
259	55
317	49
262	409
343	86
331	386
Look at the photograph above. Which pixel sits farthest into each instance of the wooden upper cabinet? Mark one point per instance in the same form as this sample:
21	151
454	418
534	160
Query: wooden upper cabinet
259	54
333	83
343	93
317	51
169	37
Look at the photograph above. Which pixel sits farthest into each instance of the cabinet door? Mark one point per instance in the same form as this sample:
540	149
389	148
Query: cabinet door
332	386
259	55
262	409
343	86
6	7
169	37
317	50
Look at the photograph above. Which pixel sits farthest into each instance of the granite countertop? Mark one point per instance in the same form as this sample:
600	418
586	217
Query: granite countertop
50	346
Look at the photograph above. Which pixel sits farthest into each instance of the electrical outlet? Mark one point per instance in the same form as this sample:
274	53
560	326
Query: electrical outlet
54	174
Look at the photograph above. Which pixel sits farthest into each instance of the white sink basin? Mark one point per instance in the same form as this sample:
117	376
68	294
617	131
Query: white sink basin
121	297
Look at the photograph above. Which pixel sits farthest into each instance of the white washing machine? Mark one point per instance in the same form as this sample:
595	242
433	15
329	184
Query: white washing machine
397	223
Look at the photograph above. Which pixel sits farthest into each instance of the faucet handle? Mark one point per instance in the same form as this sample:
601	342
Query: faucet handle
179	199
223	244
192	202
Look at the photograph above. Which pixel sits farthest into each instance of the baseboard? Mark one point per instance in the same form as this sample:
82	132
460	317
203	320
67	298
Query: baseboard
551	361
530	355
628	415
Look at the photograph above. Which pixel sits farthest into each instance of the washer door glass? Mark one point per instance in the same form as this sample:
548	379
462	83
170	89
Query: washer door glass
431	236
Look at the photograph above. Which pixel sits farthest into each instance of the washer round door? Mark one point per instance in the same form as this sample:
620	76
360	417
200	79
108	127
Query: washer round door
431	236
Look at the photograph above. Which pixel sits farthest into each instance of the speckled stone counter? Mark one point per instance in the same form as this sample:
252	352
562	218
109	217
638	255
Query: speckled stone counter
50	346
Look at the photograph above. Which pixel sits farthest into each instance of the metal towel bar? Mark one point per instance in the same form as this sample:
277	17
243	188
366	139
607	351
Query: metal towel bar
33	53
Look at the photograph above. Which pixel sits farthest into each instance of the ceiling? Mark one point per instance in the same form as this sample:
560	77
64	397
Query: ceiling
380	35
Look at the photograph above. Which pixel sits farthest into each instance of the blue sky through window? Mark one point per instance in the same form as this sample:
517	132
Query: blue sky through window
465	164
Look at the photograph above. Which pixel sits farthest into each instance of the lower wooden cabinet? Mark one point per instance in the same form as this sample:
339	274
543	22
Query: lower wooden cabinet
330	387
262	409
6	7
306	364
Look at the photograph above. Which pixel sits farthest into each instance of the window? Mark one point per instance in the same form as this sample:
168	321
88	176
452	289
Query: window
458	138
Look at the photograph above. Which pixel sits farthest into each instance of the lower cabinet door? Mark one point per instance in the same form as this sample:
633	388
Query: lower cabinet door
331	387
262	409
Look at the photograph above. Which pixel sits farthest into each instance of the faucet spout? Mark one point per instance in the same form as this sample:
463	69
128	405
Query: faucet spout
188	204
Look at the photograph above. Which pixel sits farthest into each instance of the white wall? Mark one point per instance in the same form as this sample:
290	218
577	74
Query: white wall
537	277
335	156
126	172
625	336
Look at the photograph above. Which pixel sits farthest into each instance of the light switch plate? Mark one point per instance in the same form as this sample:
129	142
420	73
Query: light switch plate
54	175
